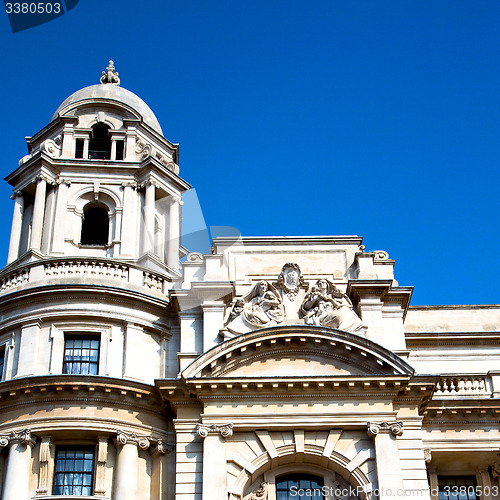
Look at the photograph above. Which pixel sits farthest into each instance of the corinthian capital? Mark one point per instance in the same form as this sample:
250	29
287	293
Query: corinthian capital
225	430
375	428
142	442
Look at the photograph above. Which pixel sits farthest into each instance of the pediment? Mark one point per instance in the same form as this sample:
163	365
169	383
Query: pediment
295	351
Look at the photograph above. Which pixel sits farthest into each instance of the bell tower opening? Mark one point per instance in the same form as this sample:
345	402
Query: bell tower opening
100	142
95	225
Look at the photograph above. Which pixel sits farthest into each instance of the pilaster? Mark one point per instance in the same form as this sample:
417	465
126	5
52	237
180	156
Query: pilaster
214	459
389	474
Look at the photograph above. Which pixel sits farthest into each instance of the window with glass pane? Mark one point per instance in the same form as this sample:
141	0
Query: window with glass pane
299	486
74	471
2	361
457	488
81	355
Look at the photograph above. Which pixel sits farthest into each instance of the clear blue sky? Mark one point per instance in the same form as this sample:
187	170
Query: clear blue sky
376	118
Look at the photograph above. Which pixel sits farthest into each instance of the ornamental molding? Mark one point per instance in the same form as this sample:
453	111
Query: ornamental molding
427	455
123	438
22	437
110	76
395	428
162	448
261	493
225	430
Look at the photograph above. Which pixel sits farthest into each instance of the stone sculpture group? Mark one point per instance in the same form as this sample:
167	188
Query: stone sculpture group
323	305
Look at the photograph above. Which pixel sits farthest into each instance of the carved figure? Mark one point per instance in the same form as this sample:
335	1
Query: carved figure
260	308
325	305
495	468
290	280
261	493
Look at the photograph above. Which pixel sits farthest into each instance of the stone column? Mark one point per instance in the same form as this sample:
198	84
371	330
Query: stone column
214	459
127	463
390	477
38	213
17	476
17	224
128	235
174	234
48	223
148	234
86	142
60	217
113	149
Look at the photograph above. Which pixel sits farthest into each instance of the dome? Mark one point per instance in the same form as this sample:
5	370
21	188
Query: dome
115	93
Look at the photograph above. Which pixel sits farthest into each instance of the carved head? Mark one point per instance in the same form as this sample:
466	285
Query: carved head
322	286
262	287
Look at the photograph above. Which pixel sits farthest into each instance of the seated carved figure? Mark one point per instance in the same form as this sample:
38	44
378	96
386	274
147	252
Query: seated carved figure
262	307
325	305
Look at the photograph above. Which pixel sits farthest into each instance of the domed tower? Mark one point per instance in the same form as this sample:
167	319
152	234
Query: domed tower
99	181
85	326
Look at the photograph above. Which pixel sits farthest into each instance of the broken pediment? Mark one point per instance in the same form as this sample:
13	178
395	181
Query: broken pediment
295	351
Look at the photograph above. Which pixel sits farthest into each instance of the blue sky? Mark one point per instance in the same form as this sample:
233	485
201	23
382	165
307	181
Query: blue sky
298	118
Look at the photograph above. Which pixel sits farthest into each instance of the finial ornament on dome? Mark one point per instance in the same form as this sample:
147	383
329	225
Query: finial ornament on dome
110	75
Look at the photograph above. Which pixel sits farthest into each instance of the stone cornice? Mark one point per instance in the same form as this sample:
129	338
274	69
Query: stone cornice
364	355
96	390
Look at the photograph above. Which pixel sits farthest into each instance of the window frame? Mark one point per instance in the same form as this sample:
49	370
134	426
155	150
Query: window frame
328	477
457	496
57	336
7	345
301	476
86	336
76	448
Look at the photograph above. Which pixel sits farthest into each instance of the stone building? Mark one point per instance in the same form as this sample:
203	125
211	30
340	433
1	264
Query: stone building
272	368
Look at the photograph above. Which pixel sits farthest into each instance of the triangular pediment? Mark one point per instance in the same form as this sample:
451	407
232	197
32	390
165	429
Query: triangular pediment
297	351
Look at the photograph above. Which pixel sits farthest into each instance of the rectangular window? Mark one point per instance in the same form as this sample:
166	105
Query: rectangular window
81	355
119	149
79	148
2	362
74	470
457	488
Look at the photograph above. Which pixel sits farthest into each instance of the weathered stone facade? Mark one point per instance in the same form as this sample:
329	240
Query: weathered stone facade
133	369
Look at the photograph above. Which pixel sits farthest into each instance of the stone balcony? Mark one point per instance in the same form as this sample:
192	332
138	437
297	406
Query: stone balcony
84	270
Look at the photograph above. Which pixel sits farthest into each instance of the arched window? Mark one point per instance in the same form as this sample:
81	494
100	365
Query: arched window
95	225
100	142
299	486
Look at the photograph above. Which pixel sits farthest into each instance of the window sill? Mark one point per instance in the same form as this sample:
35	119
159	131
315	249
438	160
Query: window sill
69	497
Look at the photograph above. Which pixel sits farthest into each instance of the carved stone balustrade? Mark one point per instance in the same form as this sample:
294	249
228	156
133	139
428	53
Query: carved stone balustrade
86	269
463	386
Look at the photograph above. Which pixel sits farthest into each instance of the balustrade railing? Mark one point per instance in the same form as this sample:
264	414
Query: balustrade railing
13	279
462	385
89	268
85	268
